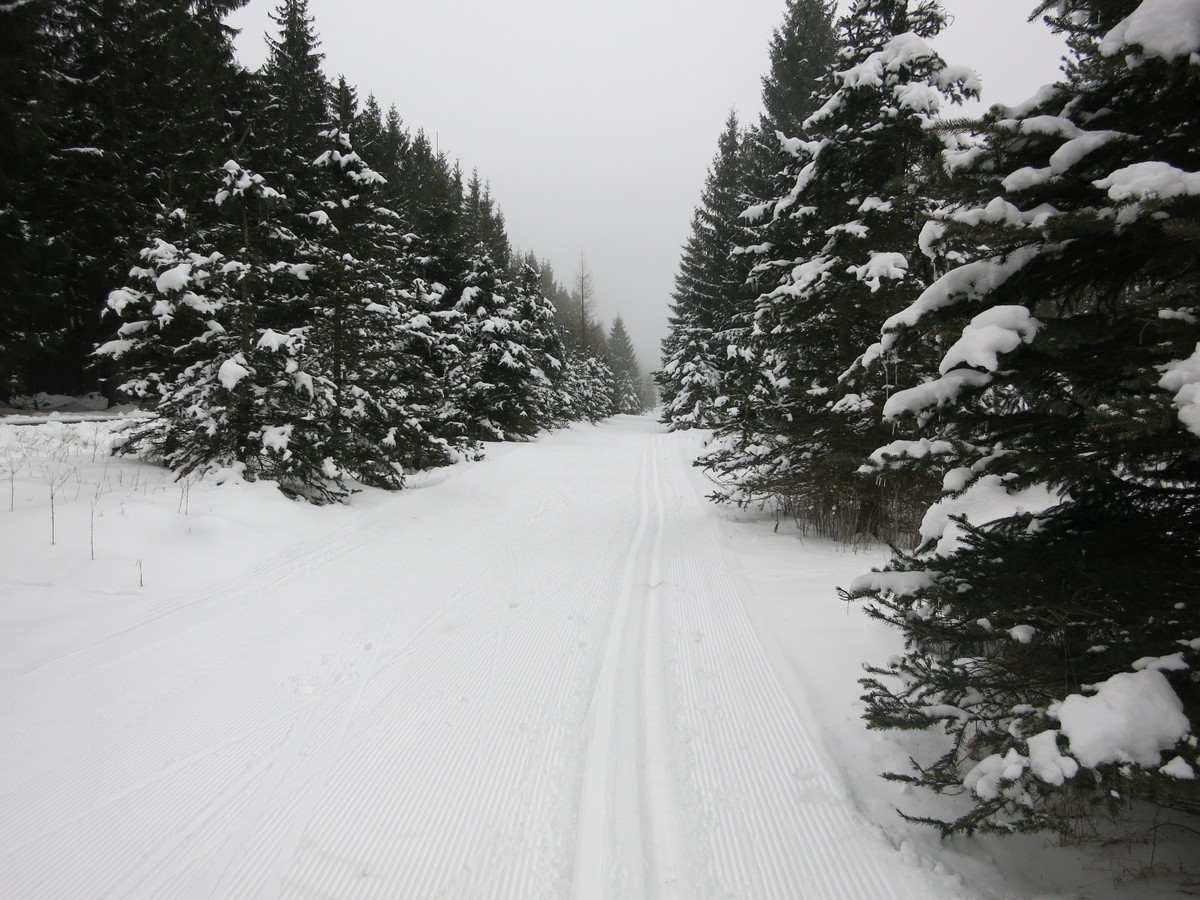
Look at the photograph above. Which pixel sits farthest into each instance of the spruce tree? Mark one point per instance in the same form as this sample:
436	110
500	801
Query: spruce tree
710	293
802	51
214	341
26	272
361	323
298	100
1056	572
137	119
589	386
502	382
840	255
623	361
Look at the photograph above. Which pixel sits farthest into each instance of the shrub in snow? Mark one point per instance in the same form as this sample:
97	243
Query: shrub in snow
1063	395
839	254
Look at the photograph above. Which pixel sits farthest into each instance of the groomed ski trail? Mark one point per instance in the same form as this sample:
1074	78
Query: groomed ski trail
535	678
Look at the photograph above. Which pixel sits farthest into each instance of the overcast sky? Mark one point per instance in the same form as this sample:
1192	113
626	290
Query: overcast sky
595	122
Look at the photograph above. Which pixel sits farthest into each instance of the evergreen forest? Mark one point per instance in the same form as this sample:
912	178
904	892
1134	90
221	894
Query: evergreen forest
973	339
295	282
976	340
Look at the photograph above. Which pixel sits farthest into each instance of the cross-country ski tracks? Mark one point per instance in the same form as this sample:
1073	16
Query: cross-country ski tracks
625	845
535	680
765	810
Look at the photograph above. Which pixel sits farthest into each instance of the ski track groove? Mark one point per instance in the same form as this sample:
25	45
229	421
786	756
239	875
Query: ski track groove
807	847
461	714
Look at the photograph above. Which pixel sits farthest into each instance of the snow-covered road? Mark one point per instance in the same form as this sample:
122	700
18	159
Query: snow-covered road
536	677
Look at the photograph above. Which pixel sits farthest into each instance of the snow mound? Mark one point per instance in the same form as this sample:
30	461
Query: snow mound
1132	718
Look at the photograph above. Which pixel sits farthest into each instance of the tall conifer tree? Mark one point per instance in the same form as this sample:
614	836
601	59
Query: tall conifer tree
627	371
841	254
710	293
1064	403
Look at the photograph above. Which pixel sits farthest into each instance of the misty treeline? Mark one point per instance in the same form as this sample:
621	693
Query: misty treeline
298	284
976	340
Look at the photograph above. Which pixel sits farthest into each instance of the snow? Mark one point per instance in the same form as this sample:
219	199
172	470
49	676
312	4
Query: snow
122	297
174	279
880	266
984	779
971	281
1132	717
277	438
986	500
918	449
621	690
1022	634
993	332
875	204
931	232
273	340
1179	768
1169	29
231	372
1182	377
998	330
900	584
1172	662
936	393
1073	151
1047	762
901	52
1148	180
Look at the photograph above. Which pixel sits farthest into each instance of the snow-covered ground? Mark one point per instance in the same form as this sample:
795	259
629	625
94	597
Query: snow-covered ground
558	673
